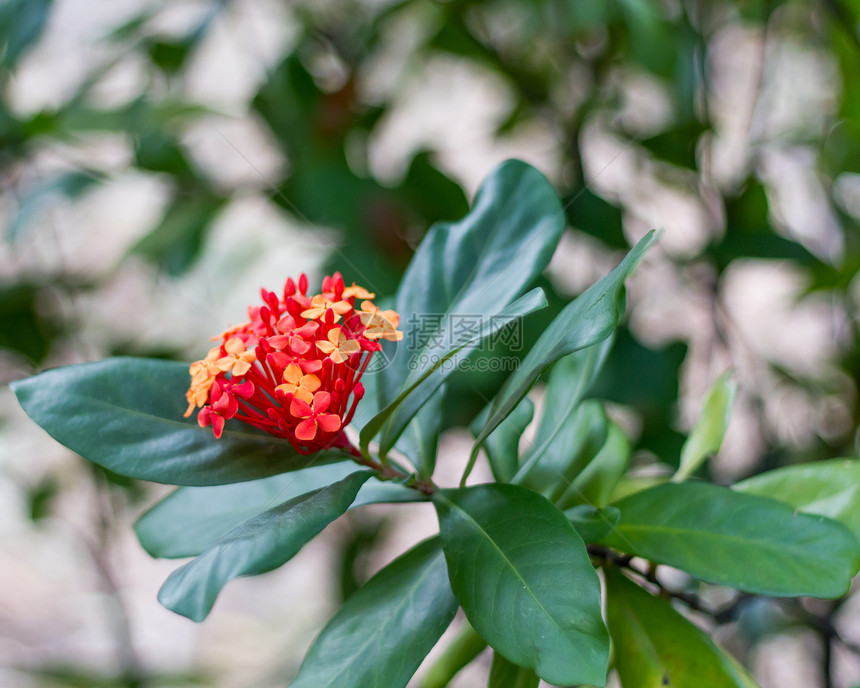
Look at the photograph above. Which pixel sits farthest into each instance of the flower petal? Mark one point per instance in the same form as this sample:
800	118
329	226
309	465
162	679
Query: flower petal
306	430
301	409
329	422
321	402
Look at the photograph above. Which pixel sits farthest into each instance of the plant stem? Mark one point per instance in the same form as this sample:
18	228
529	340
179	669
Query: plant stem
463	649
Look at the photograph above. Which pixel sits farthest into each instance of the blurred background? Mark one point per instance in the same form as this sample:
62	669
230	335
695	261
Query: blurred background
161	161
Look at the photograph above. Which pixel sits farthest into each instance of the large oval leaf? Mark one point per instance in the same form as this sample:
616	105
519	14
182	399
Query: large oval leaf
185	522
525	581
747	542
126	414
471	269
587	320
827	488
656	646
260	544
385	629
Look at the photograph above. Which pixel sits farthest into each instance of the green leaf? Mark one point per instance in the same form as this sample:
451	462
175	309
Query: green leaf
707	435
589	319
394	418
188	519
125	414
744	541
472	269
591	523
569	434
386	628
568	443
656	646
505	674
525	581
260	544
598	480
502	446
827	488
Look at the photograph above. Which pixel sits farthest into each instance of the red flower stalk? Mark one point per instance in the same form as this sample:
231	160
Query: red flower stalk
293	369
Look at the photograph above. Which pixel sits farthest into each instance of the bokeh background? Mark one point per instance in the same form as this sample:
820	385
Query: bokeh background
161	161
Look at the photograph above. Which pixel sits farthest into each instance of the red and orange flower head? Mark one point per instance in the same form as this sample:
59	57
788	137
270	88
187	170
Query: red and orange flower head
293	369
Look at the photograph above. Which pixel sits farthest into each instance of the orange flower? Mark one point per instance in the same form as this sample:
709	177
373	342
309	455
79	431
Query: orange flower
320	304
314	416
380	324
339	347
237	361
282	371
299	385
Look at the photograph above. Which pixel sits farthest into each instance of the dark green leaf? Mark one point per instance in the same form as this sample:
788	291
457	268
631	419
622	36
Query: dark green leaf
383	632
591	523
260	544
126	414
748	542
504	674
525	581
188	519
656	646
588	320
471	270
394	418
827	488
596	482
502	446
559	455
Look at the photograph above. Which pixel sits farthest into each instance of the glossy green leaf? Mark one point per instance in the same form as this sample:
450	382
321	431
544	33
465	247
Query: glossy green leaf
505	674
707	435
385	629
260	544
827	488
568	434
125	414
744	541
591	523
502	446
395	417
523	577
597	481
567	446
185	522
655	646
469	271
587	320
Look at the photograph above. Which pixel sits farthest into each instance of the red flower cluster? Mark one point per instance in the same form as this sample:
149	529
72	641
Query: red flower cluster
293	370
